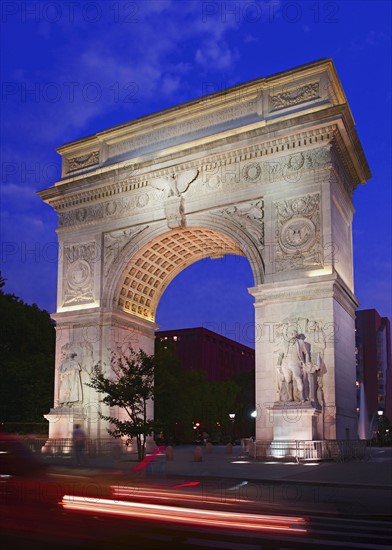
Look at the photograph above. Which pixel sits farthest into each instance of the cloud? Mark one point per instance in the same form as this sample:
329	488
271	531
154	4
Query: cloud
372	39
216	54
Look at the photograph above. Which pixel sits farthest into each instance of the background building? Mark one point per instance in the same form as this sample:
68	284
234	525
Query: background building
202	349
374	371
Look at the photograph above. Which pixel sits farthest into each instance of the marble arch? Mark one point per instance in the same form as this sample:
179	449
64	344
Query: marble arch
266	170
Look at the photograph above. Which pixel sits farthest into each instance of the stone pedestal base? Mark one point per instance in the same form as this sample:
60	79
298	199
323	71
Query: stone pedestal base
61	423
292	422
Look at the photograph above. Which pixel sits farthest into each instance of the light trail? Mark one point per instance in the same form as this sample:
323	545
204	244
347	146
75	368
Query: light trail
122	491
190	516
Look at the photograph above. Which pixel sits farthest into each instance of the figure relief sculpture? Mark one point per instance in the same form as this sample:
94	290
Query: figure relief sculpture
174	187
317	341
299	365
70	386
175	184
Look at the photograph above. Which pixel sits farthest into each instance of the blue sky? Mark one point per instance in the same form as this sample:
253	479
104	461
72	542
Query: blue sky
70	69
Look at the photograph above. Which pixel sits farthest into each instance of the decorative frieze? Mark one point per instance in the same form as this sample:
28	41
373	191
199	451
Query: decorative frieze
247	166
116	208
227	176
298	233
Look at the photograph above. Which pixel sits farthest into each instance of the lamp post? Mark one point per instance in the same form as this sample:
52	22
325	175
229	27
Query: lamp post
254	416
380	413
232	417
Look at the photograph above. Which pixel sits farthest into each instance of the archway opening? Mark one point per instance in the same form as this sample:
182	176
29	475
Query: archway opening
211	294
198	277
156	264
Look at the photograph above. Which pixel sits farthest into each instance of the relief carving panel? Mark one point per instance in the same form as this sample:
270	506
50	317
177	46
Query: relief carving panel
249	217
294	96
115	243
77	163
298	233
78	286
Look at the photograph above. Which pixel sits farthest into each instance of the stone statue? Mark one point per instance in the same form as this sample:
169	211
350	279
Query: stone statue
317	342
300	364
293	358
70	387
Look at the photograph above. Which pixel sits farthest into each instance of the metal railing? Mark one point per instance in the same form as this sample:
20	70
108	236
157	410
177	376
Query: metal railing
303	451
59	447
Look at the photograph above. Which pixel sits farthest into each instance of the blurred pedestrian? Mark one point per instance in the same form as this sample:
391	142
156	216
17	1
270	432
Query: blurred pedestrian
79	444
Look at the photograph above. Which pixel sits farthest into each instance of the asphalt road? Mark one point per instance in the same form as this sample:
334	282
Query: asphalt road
224	502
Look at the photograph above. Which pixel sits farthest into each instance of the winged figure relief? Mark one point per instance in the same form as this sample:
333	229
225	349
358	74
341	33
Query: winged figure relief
176	184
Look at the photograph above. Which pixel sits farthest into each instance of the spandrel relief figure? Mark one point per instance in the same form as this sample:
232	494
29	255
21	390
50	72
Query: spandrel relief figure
70	387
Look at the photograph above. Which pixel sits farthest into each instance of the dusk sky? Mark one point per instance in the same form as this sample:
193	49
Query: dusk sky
70	69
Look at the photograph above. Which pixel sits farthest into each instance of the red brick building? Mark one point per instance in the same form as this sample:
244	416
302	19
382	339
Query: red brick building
202	349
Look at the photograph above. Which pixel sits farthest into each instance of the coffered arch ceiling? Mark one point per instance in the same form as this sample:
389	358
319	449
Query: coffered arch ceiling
155	265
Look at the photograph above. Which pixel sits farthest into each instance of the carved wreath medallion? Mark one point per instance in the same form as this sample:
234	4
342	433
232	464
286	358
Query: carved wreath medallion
298	233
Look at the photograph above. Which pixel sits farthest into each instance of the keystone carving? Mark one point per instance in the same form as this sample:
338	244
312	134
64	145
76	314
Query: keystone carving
175	185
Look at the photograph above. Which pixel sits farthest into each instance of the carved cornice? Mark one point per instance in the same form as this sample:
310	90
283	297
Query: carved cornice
324	286
276	146
345	164
295	295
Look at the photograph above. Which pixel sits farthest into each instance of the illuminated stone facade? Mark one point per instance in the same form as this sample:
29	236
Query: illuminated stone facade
265	170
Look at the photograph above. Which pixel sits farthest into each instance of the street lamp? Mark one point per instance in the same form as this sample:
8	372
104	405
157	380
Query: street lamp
253	414
232	417
380	434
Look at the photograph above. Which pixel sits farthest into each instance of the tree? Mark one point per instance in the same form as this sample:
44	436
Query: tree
167	390
130	386
27	345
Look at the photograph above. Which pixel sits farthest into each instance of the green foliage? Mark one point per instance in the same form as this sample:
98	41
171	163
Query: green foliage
27	345
130	385
183	397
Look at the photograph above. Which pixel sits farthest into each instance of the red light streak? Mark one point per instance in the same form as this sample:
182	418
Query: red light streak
149	458
122	491
192	516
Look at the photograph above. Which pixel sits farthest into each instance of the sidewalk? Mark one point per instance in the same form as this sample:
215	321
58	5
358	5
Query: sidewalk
375	471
